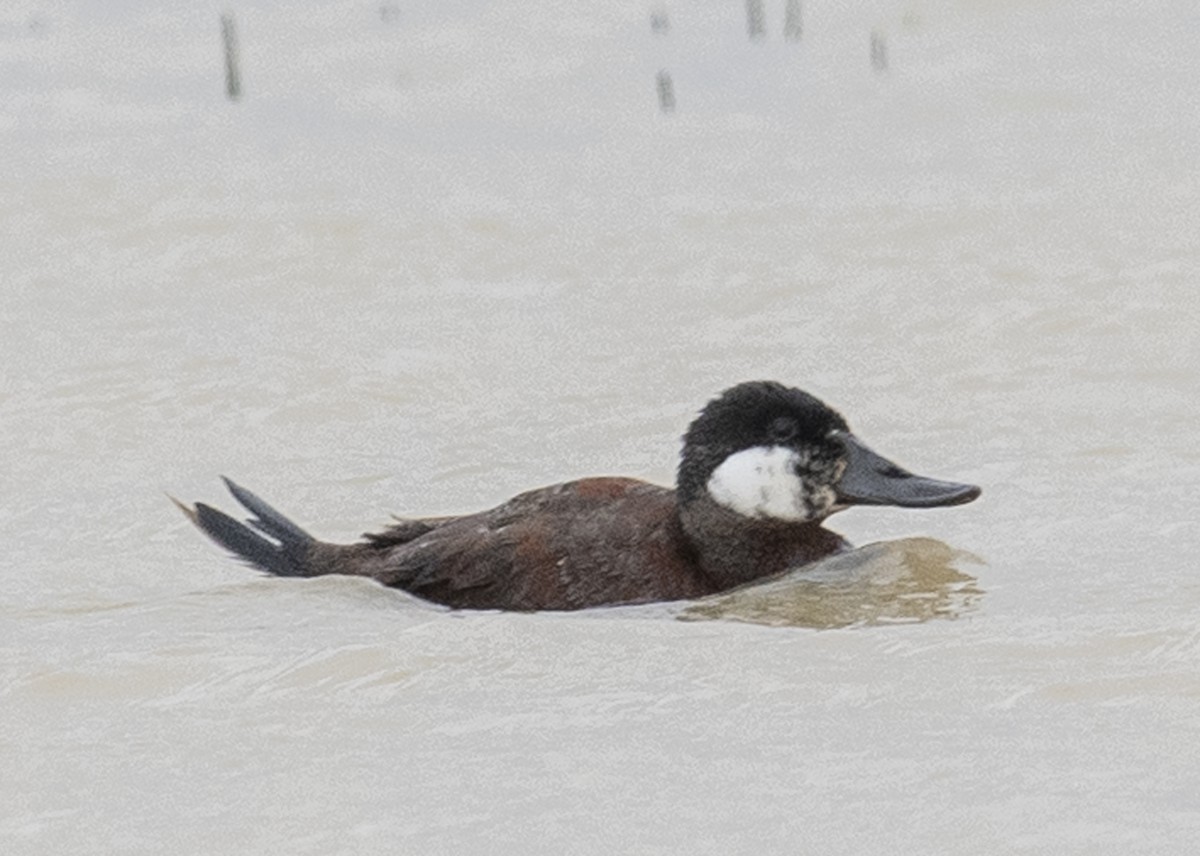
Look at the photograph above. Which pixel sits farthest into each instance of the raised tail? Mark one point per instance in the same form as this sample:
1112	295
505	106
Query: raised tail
284	551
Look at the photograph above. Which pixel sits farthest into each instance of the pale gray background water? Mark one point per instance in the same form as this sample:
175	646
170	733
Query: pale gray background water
432	261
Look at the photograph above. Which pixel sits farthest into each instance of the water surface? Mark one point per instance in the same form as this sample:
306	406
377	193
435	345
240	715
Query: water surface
430	261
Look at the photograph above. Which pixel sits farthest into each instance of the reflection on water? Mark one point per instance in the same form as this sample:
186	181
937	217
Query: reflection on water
906	581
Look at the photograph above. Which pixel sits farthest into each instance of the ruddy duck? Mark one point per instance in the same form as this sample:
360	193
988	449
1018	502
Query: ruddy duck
762	466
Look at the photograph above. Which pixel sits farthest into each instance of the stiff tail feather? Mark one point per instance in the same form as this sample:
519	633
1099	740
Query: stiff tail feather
284	552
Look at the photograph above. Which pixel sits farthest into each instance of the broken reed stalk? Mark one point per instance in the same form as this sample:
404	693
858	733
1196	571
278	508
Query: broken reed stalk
793	21
666	92
233	77
879	57
756	20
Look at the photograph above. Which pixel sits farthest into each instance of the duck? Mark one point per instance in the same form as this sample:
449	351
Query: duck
762	467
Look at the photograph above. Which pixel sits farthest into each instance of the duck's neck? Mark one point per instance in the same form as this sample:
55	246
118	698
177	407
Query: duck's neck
732	550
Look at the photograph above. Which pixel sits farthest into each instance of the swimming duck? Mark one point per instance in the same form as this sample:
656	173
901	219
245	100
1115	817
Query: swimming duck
762	466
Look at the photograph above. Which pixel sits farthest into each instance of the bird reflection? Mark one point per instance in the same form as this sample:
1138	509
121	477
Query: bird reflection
893	582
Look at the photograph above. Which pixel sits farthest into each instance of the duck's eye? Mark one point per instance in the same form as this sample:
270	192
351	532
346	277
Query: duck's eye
783	429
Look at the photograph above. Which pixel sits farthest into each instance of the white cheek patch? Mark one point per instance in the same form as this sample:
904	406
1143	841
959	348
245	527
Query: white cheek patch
761	482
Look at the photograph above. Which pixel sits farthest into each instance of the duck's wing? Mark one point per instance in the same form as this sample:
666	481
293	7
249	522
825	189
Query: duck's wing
405	529
579	544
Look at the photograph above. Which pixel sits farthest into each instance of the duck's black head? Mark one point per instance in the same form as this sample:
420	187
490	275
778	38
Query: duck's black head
770	452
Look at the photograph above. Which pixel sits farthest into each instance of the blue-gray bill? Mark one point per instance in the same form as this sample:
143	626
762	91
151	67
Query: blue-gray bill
871	479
